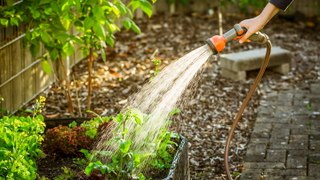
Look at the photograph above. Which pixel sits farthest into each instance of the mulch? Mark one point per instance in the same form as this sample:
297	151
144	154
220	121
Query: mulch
212	101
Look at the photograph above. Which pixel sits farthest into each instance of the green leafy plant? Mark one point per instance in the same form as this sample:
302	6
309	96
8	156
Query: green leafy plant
126	161
98	21
95	125
166	148
20	144
157	64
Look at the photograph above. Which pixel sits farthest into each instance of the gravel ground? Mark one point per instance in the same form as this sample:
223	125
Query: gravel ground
212	101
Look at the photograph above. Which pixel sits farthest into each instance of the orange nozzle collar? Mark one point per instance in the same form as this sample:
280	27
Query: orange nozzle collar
217	43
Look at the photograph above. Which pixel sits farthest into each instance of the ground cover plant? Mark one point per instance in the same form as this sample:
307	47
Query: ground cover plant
20	144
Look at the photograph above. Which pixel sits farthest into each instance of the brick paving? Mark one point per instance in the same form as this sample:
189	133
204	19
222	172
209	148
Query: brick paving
285	142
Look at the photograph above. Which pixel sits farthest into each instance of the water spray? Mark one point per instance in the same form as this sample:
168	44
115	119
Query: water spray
217	44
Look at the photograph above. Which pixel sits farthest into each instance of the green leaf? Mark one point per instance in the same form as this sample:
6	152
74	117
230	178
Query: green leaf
98	12
65	21
119	118
66	6
135	28
110	40
89	169
175	111
125	146
61	36
45	37
35	13
113	28
14	21
53	54
122	8
88	23
68	48
73	124
99	30
46	66
103	55
48	11
115	10
35	48
146	7
4	22
127	23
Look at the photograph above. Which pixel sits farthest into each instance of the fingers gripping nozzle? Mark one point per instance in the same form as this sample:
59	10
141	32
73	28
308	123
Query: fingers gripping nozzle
217	43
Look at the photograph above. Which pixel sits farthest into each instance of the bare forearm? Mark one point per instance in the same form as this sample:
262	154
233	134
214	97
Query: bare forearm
267	14
281	4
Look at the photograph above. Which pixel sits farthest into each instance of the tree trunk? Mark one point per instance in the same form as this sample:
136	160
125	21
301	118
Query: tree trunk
67	84
90	64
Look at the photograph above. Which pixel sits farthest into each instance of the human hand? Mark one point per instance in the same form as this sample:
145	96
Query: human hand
257	23
252	25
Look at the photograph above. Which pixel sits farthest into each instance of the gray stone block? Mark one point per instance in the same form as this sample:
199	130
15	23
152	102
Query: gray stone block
314	170
256	152
264	165
278	155
235	65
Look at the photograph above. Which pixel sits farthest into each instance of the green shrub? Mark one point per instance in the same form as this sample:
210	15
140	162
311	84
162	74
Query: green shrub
20	140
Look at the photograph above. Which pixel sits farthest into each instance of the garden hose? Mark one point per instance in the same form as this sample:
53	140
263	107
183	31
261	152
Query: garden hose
217	43
244	105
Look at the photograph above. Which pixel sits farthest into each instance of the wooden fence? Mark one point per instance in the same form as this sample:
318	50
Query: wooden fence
21	75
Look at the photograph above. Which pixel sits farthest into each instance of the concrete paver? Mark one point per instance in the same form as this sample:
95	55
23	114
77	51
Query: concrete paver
285	142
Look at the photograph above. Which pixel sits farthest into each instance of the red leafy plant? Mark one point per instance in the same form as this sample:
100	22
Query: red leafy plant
66	140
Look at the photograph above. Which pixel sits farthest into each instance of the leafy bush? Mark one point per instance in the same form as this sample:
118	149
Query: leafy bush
20	139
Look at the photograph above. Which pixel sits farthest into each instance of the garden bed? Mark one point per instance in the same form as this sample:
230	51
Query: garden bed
67	147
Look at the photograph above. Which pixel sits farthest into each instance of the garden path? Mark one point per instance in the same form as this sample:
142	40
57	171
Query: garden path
285	142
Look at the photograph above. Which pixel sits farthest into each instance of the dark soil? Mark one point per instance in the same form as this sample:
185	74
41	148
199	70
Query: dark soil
207	115
51	165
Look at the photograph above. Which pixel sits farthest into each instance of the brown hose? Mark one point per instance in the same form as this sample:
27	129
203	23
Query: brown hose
244	105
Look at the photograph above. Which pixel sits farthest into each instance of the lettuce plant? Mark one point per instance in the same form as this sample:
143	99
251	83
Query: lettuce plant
20	140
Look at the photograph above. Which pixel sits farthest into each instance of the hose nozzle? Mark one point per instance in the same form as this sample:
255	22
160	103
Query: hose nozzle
217	43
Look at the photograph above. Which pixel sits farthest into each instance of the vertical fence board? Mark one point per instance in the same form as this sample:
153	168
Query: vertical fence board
17	93
15	63
2	68
5	92
28	84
